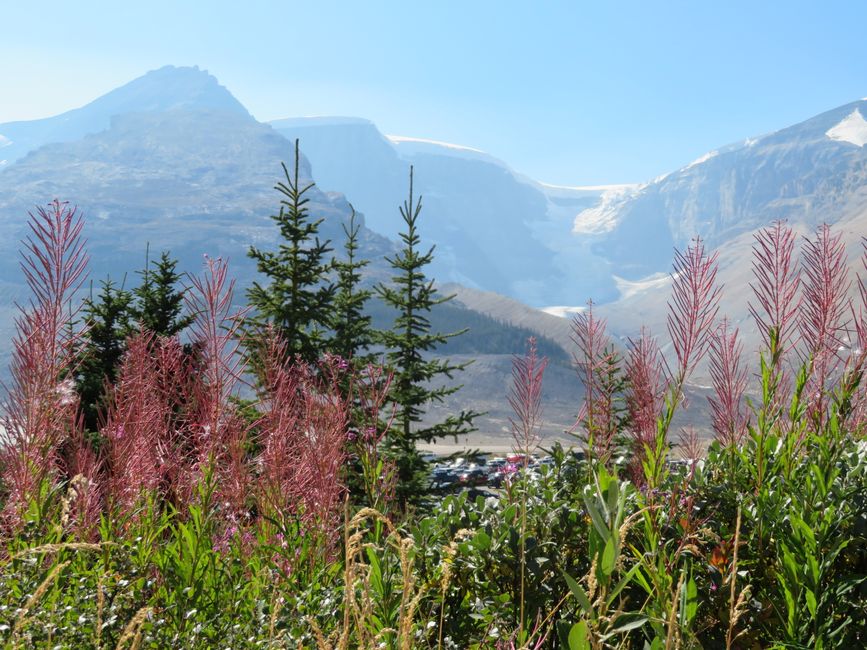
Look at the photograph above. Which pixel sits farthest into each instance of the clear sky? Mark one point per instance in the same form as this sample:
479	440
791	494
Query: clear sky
566	92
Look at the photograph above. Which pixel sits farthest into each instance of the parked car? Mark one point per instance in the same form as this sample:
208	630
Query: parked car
474	475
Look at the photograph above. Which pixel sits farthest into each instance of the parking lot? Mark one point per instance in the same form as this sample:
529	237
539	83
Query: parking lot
481	471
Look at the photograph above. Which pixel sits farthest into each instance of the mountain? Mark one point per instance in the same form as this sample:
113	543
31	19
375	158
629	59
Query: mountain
808	173
555	247
811	173
612	243
192	180
168	88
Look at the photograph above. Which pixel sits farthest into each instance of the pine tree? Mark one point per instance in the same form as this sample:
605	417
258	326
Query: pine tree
298	300
410	343
159	302
107	318
352	330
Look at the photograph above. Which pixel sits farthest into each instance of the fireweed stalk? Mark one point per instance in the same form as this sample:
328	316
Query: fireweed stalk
368	393
822	322
218	431
646	382
40	408
692	311
729	417
775	310
525	398
597	363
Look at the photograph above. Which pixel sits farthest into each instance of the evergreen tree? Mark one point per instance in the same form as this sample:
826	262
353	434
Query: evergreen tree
155	305
108	324
352	329
298	300
159	301
409	342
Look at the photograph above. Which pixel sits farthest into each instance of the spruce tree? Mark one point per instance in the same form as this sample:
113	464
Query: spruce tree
352	330
298	299
159	301
410	343
107	318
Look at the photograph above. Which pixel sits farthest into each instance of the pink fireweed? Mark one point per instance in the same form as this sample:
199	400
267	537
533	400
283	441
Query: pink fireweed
37	415
219	434
823	313
776	284
596	362
525	398
646	386
729	379
693	307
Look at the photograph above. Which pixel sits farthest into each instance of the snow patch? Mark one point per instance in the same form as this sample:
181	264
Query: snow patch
3	162
852	129
399	139
4	141
602	217
629	288
617	187
702	159
563	311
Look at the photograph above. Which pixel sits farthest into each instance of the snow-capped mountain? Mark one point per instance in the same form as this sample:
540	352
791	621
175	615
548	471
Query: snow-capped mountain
808	173
556	247
494	229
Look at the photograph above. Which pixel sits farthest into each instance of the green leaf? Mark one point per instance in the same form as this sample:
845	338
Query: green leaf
613	496
805	531
609	558
625	580
578	637
811	602
625	623
598	521
656	644
691	600
482	540
790	568
579	593
791	610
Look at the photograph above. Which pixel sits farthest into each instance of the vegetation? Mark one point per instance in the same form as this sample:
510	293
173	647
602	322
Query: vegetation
298	299
352	325
156	305
197	526
410	340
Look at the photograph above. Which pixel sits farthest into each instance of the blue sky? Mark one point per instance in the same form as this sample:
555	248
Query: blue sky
566	92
